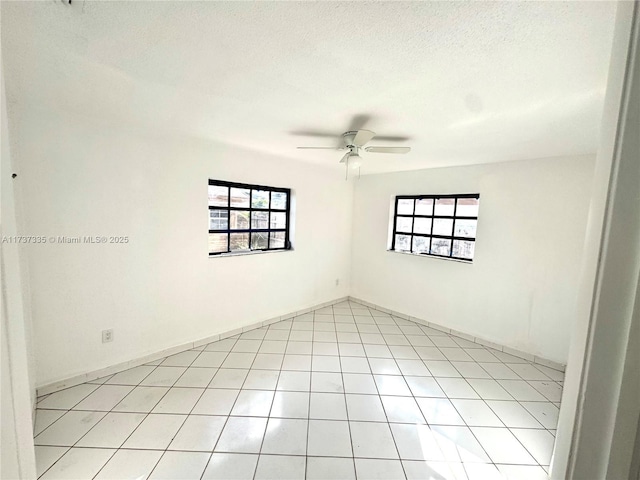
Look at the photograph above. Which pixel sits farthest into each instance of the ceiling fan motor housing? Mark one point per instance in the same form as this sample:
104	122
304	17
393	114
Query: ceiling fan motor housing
349	138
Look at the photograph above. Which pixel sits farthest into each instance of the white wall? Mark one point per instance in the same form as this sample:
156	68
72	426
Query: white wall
161	289
18	385
520	290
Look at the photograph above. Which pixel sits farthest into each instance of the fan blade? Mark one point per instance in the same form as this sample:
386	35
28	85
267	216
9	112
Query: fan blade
388	149
314	133
321	134
358	121
392	138
320	148
344	159
362	137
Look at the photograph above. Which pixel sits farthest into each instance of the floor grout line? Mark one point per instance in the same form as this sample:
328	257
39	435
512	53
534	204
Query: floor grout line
266	427
94	426
375	328
187	415
346	408
148	413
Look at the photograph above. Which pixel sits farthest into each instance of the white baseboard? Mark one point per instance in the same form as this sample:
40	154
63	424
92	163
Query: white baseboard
465	336
103	372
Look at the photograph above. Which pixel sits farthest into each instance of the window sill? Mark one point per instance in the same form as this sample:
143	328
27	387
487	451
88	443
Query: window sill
249	253
466	262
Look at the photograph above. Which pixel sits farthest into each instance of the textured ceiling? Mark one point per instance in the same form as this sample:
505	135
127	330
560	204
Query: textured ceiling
468	83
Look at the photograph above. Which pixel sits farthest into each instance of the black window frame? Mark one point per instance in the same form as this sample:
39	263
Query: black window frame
433	217
250	209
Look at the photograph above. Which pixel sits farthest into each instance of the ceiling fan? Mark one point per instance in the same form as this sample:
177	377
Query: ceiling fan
354	141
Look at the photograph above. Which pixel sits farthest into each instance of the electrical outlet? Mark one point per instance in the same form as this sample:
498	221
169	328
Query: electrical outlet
107	336
337	282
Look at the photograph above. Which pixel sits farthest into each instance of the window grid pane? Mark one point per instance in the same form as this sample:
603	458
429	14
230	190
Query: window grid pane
245	217
436	225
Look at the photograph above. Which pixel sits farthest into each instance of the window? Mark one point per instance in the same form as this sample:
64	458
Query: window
245	218
437	225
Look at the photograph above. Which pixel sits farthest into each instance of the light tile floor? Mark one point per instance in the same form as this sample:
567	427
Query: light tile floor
340	393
